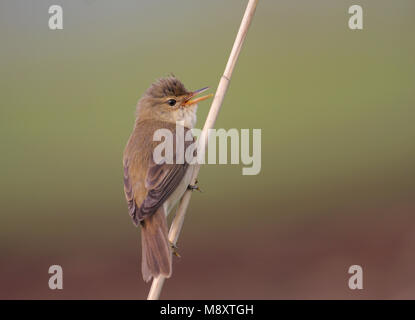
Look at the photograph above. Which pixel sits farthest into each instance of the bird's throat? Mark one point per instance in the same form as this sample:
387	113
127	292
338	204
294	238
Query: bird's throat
186	116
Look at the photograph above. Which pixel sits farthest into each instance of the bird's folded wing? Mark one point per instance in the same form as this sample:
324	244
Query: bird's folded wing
129	194
161	181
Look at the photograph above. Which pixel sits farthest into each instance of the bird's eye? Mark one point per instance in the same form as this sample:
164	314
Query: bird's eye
171	102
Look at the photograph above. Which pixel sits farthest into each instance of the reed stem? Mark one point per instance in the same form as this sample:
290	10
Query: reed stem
178	220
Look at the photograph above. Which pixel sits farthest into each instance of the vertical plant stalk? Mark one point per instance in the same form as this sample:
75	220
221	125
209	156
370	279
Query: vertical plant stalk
178	220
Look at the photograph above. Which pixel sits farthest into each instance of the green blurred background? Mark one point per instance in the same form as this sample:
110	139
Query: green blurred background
336	109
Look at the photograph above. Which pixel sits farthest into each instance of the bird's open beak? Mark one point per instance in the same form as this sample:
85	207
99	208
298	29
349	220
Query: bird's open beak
191	101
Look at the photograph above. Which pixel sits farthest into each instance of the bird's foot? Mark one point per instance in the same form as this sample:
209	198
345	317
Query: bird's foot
174	249
194	187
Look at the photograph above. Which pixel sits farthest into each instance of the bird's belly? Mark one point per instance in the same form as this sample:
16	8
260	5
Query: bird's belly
181	188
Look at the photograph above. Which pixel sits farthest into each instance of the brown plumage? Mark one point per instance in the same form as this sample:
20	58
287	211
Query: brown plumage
152	189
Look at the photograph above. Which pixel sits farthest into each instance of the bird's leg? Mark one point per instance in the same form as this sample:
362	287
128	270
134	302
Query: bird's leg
174	249
194	187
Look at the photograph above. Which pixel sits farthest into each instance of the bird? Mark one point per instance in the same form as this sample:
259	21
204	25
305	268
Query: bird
152	189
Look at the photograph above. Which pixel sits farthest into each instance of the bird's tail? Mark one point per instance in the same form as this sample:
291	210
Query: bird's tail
155	246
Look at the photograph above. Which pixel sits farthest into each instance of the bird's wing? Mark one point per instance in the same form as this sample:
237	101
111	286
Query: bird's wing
128	191
161	181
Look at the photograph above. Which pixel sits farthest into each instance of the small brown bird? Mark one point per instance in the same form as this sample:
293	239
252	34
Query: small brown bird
152	189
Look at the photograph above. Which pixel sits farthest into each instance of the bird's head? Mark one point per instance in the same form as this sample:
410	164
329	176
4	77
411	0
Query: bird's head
168	100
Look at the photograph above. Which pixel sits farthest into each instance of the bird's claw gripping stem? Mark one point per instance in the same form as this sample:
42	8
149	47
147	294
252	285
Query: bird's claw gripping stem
174	249
194	187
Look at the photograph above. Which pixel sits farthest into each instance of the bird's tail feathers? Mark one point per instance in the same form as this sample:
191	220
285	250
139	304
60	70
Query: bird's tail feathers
156	250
